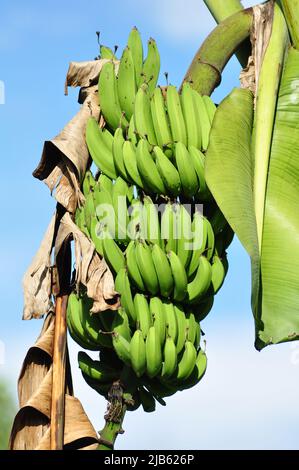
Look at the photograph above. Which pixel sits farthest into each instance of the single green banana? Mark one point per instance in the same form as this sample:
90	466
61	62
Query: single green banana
133	269
153	353
151	221
113	254
118	157
120	324
202	117
108	97
148	170
210	107
175	114
123	286
201	282
160	119
151	65
158	315
107	53
200	233
96	370
169	233
170	358
197	336
105	183
143	117
146	267
119	199
184	243
179	276
192	128
197	373
136	227
122	348
136	47
187	362
130	161
181	326
144	318
101	156
191	325
138	353
171	320
126	83
184	164
197	158
218	273
131	134
163	271
168	173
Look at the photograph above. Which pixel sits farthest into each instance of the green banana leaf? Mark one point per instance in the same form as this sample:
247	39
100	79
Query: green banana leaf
280	244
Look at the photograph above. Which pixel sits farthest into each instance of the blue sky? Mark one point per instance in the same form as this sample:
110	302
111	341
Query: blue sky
247	399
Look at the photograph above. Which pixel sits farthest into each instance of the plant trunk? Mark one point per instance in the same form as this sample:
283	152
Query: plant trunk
222	10
205	70
110	432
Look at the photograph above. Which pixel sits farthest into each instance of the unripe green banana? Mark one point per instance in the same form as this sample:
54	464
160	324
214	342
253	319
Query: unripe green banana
118	157
151	221
88	183
171	320
169	228
107	53
159	318
197	158
160	119
143	117
210	107
122	285
135	45
163	271
74	313
137	227
146	267
113	254
122	348
201	282
98	150
144	318
74	335
133	269
92	326
126	83
192	128
170	358
130	161
96	370
218	273
120	324
151	65
153	353
175	114
191	325
179	276
184	243
181	326
148	402
119	199
168	173
104	183
131	135
197	337
184	164
200	235
202	117
197	373
138	353
148	170
108	97
187	363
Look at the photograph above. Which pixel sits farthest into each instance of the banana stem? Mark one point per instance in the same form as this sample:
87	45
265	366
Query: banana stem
291	13
111	431
205	70
222	10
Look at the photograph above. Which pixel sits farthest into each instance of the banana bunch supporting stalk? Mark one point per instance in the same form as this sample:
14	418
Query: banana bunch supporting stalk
143	212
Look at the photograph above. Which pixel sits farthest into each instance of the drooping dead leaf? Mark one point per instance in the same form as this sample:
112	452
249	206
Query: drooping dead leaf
91	270
37	279
83	74
31	427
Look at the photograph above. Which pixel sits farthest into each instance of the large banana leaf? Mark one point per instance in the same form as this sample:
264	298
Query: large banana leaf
280	243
